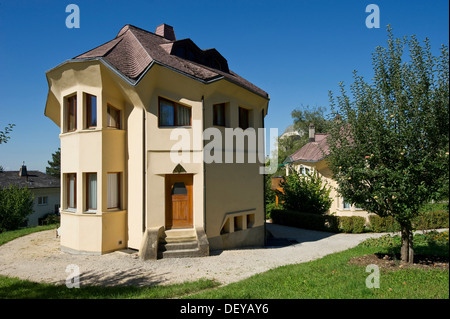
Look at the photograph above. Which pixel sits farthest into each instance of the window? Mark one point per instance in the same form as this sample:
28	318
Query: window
42	200
345	204
113	117
91	110
113	190
173	114
219	114
71	113
91	191
71	190
243	118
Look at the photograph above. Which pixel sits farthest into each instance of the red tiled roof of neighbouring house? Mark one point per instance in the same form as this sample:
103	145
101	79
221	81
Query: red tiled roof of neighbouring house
313	151
134	50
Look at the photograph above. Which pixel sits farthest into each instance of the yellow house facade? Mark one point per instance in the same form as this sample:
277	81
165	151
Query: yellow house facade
132	113
311	158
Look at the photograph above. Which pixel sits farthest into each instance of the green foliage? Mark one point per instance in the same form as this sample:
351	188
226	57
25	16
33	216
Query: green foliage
54	168
305	193
50	219
294	218
15	205
269	208
426	220
4	134
352	224
383	224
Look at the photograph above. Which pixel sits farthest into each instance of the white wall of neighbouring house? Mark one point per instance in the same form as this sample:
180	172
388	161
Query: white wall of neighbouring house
42	206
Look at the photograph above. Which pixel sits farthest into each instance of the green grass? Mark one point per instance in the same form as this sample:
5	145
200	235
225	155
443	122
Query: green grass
14	288
332	277
13	234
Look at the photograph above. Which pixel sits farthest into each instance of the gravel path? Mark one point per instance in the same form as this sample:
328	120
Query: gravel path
37	257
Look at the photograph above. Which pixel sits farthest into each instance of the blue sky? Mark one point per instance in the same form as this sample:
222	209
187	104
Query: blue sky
297	51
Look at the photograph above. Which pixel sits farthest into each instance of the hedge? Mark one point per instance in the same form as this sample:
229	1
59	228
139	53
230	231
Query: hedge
355	224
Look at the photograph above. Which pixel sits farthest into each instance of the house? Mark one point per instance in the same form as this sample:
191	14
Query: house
312	157
126	109
45	189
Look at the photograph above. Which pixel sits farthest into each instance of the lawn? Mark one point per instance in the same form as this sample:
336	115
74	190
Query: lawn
331	277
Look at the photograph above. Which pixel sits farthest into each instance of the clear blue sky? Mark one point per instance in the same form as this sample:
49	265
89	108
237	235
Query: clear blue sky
295	50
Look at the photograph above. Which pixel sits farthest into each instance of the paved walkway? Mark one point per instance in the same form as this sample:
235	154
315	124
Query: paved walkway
37	257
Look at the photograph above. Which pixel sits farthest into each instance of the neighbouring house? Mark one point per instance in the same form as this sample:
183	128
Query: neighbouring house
45	189
312	157
122	108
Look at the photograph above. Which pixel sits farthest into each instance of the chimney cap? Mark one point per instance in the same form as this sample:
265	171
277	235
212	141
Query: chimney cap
166	31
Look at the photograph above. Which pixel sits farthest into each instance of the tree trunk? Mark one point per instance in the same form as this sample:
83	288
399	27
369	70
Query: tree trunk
407	250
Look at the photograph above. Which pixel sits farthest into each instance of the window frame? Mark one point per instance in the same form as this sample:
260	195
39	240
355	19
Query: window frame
223	113
88	109
119	190
118	117
175	110
69	107
42	200
87	192
68	197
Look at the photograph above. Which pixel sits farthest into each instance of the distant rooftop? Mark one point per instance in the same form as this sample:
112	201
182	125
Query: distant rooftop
31	179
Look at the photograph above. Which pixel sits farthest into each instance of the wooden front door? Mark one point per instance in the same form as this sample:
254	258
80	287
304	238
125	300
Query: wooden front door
179	201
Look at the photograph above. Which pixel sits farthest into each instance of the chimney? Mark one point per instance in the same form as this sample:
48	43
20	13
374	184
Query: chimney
312	133
166	31
23	170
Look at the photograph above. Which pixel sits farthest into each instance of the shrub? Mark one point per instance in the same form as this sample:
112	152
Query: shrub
431	220
49	219
383	224
351	224
269	208
426	220
301	220
15	206
305	193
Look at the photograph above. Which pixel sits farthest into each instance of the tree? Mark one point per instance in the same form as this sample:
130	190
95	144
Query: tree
305	193
389	141
15	206
304	116
4	134
55	165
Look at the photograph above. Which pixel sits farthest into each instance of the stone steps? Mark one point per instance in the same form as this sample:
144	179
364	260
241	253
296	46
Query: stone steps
179	243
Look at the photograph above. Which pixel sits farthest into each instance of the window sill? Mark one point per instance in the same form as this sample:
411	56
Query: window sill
173	126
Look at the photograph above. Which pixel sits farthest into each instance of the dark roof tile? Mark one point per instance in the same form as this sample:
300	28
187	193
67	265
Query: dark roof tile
133	49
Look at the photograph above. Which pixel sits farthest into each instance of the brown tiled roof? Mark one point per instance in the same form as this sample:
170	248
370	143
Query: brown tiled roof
35	179
133	50
312	151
